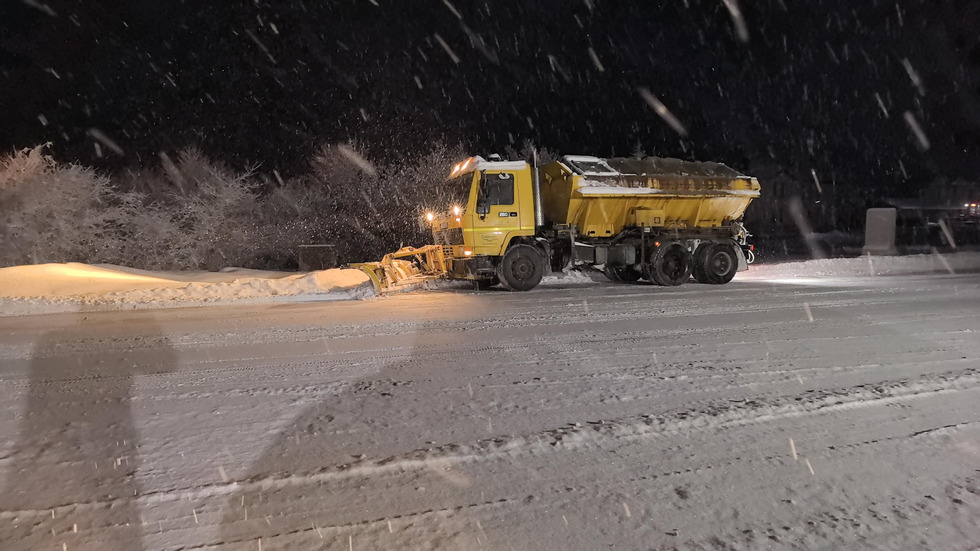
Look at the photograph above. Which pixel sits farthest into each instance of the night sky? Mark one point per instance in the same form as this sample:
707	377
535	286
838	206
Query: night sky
880	97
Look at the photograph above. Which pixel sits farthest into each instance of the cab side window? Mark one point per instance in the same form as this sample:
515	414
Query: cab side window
500	188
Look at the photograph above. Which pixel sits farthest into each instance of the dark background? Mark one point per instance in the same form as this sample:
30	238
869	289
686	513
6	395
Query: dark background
262	82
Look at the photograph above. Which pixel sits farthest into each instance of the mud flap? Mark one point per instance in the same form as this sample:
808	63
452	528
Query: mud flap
743	264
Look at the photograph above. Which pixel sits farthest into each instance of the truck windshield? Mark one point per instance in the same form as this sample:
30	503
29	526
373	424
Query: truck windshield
457	190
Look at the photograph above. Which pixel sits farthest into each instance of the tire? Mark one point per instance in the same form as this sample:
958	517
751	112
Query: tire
698	269
521	268
611	273
671	266
627	274
484	284
720	264
622	274
561	256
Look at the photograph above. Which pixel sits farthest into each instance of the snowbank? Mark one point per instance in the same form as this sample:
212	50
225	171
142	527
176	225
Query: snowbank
48	288
866	266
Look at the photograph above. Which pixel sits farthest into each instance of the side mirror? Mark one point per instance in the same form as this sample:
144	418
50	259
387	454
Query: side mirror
483	198
482	207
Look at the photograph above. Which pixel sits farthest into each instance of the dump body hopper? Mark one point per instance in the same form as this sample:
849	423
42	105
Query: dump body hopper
601	197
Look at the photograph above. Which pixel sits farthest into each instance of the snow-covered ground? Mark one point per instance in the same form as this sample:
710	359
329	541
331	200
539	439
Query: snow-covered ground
809	405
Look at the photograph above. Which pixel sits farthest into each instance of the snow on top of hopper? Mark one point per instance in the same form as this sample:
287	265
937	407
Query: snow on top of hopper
589	166
647	166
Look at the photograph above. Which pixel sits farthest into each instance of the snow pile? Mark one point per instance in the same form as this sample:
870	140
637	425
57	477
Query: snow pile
866	266
47	288
573	277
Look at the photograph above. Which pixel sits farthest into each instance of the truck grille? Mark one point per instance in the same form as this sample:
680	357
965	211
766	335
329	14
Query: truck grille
450	236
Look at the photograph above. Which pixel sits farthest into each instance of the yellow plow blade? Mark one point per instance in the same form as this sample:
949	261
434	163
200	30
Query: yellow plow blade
404	267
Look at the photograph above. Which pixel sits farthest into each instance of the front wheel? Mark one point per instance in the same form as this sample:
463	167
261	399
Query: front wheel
521	268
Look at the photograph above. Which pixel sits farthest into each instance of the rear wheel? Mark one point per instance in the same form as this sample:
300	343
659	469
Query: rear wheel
561	255
521	268
627	273
611	273
698	268
672	265
720	264
624	274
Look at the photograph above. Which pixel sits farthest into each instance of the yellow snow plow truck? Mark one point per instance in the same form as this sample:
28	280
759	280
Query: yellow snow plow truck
663	220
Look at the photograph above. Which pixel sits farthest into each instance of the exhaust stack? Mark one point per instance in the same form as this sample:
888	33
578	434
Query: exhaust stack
536	186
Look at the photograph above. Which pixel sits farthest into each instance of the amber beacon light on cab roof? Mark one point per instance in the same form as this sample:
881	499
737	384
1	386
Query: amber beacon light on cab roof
660	219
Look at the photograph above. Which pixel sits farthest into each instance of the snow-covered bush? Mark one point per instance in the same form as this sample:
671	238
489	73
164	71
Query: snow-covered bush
365	208
194	213
52	212
410	188
198	214
215	215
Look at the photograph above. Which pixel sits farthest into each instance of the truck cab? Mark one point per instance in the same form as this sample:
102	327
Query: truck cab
493	207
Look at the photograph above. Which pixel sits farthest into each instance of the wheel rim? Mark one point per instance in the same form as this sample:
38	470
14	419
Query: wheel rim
721	263
522	268
674	265
671	265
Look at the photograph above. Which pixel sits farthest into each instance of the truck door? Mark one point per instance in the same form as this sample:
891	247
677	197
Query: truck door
497	213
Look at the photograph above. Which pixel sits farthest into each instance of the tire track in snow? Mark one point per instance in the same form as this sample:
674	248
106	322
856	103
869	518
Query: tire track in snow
720	415
600	433
315	531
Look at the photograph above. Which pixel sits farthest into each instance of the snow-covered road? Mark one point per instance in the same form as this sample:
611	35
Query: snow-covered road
818	414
